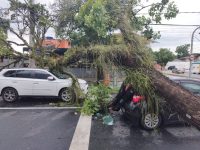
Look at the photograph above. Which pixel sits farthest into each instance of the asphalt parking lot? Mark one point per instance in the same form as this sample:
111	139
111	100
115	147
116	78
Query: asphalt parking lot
37	129
124	135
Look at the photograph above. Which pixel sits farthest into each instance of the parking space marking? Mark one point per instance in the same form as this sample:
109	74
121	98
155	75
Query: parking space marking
37	108
81	138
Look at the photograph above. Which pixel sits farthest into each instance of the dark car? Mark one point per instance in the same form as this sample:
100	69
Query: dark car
166	114
178	71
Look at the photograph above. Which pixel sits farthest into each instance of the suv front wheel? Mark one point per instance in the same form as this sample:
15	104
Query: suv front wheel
67	95
9	95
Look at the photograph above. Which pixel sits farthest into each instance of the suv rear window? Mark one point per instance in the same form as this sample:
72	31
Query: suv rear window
18	73
10	73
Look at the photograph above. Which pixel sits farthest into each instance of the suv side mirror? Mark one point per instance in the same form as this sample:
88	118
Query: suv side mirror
50	78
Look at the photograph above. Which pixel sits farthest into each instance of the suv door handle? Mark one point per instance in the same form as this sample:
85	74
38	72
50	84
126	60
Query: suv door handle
35	83
14	82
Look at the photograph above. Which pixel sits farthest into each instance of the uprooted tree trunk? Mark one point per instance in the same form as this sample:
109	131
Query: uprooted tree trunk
183	101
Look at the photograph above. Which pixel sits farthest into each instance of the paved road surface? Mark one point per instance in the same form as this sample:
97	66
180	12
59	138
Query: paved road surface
124	135
37	129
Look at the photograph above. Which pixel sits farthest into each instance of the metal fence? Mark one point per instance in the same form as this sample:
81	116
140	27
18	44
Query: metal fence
88	74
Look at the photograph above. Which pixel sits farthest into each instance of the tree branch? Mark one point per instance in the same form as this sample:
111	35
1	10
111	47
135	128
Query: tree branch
10	47
20	37
16	43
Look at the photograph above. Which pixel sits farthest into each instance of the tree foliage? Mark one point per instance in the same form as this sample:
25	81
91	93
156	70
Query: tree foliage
182	50
97	19
163	56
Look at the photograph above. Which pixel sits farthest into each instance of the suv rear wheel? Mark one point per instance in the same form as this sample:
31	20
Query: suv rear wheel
9	95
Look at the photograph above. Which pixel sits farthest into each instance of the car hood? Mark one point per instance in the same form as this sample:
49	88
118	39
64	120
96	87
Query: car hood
80	81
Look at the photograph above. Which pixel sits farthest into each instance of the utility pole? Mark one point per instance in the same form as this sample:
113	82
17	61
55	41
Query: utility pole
191	50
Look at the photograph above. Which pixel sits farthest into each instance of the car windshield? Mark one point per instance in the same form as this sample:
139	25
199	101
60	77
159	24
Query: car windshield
59	75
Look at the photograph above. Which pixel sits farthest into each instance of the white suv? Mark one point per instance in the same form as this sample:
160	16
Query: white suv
16	83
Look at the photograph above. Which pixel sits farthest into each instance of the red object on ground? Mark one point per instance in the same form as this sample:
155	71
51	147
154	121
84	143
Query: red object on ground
137	99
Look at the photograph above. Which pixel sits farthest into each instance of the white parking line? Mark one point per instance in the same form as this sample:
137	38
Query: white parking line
37	108
81	136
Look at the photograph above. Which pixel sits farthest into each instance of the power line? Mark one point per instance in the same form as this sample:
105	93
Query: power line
185	25
197	38
183	12
189	12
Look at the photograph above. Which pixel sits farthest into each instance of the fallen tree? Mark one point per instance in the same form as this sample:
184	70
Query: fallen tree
183	101
133	56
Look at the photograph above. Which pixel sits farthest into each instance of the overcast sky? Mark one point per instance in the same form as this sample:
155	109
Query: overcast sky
171	36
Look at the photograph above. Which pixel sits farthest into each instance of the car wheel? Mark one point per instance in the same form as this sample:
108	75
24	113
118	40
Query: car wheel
67	95
9	95
151	121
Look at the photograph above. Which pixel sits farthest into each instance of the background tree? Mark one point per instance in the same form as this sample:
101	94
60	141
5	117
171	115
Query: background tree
163	56
28	18
182	50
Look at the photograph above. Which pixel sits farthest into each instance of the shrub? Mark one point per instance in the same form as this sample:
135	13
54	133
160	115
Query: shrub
96	100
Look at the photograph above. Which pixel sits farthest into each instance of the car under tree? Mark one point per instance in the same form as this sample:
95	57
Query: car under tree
166	115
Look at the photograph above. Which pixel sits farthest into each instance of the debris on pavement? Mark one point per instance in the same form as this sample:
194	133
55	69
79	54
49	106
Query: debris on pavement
108	120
